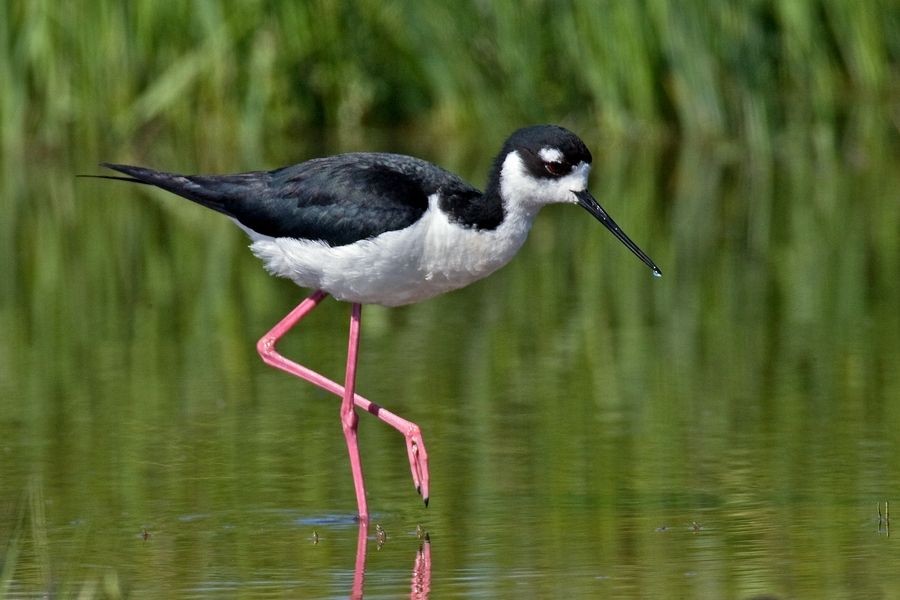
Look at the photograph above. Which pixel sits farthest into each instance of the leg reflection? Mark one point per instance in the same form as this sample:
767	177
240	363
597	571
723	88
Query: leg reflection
421	575
359	571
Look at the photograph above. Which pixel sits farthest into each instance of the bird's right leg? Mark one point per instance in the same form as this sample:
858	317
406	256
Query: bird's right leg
415	445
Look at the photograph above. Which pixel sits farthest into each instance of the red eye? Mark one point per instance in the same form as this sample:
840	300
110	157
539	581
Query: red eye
555	168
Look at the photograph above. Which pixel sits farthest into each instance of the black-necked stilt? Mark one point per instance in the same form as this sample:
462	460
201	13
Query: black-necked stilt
371	228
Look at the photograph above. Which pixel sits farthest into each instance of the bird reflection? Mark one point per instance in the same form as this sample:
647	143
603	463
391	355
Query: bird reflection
421	571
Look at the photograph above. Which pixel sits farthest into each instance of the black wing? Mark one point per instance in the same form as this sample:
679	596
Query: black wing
338	200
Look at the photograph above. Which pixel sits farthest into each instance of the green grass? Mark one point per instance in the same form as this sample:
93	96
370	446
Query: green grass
83	75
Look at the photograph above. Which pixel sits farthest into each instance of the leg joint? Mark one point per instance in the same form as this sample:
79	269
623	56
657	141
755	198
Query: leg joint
265	347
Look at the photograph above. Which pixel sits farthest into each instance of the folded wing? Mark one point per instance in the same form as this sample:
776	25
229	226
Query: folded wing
337	200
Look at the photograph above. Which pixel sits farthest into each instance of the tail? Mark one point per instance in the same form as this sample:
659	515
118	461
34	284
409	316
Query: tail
215	192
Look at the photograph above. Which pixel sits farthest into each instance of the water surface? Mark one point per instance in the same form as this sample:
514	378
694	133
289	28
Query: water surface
728	430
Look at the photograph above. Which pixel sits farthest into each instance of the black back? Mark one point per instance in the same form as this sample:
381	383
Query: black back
337	200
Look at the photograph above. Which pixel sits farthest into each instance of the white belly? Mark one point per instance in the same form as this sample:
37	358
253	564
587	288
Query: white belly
429	258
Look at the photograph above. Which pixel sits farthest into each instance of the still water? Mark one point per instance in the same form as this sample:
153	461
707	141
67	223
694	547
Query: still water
727	431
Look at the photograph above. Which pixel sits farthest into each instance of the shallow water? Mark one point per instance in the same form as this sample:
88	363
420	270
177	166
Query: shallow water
728	430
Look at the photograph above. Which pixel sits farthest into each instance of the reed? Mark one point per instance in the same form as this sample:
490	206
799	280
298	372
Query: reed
80	75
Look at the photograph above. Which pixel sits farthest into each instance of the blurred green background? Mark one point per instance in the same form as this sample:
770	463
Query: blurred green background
726	431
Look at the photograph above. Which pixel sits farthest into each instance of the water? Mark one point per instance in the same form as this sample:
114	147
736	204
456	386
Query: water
726	431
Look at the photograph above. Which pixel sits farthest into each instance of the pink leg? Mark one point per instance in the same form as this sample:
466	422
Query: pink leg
349	419
415	446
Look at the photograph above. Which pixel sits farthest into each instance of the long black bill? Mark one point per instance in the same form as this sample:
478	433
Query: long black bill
586	201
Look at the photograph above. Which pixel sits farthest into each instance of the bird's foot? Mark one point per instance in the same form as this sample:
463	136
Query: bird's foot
418	460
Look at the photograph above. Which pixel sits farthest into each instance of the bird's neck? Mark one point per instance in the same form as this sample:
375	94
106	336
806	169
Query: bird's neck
515	206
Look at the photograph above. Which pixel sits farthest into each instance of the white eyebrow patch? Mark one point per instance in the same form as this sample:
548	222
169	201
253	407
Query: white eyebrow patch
549	154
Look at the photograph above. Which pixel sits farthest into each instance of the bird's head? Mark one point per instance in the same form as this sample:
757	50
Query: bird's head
548	164
543	164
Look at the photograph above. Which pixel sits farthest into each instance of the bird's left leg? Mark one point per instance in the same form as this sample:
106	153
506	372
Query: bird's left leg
415	445
349	418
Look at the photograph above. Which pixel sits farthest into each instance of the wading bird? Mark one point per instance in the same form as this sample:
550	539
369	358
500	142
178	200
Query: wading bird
375	228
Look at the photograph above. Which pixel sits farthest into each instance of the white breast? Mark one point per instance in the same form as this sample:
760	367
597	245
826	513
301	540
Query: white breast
430	257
